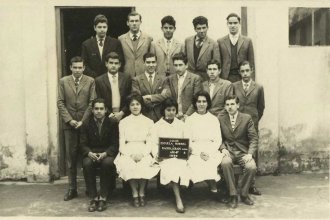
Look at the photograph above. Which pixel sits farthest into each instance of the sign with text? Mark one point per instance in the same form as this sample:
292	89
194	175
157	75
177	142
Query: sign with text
173	148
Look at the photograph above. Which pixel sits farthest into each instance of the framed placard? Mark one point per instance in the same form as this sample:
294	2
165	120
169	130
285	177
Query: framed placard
173	148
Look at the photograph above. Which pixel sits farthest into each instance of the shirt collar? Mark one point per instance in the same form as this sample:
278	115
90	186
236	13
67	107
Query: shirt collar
235	116
148	74
98	38
137	35
166	40
216	81
197	39
96	120
111	75
75	77
231	36
248	83
183	76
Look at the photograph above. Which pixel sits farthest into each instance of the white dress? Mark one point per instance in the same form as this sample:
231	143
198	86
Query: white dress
134	138
204	135
172	169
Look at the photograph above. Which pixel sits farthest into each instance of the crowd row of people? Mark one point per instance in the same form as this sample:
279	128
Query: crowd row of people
118	134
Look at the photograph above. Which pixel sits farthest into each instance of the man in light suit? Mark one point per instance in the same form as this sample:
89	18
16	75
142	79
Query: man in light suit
183	86
252	102
234	48
93	50
239	143
75	95
166	47
135	44
152	87
200	48
217	88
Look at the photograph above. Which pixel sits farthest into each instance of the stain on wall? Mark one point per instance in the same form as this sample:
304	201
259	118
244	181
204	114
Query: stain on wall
268	152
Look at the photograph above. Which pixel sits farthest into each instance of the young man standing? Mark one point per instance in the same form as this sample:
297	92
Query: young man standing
93	50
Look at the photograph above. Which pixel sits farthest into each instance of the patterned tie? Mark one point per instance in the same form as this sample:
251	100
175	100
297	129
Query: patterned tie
199	43
76	83
246	88
134	37
101	42
150	81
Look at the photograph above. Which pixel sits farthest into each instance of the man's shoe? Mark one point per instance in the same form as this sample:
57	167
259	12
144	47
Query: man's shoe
101	206
92	206
247	200
254	191
233	202
180	210
70	194
136	202
142	201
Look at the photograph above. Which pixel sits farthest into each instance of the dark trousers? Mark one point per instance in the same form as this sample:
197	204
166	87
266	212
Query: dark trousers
71	140
228	172
107	174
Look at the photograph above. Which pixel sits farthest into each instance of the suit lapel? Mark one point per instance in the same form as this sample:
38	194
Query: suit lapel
94	127
95	47
162	45
206	86
251	88
216	88
239	43
228	123
128	41
175	85
141	41
240	88
174	45
106	45
72	85
205	45
186	81
155	83
120	83
190	49
145	82
107	83
228	44
238	120
82	83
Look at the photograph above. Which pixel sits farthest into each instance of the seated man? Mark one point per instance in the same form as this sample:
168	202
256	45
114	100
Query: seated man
99	146
240	141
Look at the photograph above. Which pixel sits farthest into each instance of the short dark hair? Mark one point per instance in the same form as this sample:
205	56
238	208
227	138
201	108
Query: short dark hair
100	19
230	97
76	59
112	55
169	102
148	55
168	20
137	97
98	100
243	63
234	15
213	61
180	56
133	13
204	94
200	20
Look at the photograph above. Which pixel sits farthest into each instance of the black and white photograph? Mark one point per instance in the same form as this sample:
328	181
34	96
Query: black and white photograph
165	109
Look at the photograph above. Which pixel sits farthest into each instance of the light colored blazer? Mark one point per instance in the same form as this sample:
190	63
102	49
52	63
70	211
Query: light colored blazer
74	105
164	59
222	89
244	52
134	64
209	50
191	85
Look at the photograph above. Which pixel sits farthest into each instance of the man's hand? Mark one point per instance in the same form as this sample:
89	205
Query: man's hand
225	152
101	156
181	116
147	99
247	158
73	123
204	156
119	115
79	124
93	156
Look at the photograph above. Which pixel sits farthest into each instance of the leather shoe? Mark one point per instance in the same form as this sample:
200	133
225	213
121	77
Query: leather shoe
70	194
233	202
142	201
180	210
247	200
254	191
92	206
101	206
136	202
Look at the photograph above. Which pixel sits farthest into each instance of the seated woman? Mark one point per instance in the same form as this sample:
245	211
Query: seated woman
173	171
134	161
203	131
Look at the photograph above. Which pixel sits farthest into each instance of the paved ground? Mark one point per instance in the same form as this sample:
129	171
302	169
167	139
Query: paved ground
285	196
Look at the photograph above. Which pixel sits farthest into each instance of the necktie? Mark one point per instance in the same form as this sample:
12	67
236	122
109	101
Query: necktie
76	82
99	126
101	42
211	89
199	43
245	88
168	46
150	80
134	37
114	78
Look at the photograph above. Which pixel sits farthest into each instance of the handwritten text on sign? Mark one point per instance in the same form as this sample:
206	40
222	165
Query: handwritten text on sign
173	148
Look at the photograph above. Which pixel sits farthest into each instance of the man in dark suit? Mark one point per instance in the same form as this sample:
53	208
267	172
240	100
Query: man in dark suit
183	86
217	88
252	102
75	95
99	147
239	143
234	48
95	49
200	48
152	87
135	44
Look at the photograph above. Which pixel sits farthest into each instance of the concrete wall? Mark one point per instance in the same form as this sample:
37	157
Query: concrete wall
293	131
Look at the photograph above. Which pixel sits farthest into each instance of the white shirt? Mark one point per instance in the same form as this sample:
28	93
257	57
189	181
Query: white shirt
168	43
74	78
246	85
131	35
152	76
180	83
233	120
98	45
113	79
233	38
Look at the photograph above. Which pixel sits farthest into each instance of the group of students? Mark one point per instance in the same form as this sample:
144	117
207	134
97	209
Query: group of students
116	119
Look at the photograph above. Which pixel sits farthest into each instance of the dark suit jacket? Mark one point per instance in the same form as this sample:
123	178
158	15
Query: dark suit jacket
74	105
191	85
253	103
159	92
244	52
222	89
209	50
92	141
103	90
95	66
134	64
244	135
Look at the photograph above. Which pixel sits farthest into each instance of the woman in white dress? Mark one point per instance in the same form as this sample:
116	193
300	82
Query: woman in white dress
203	131
134	162
173	171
